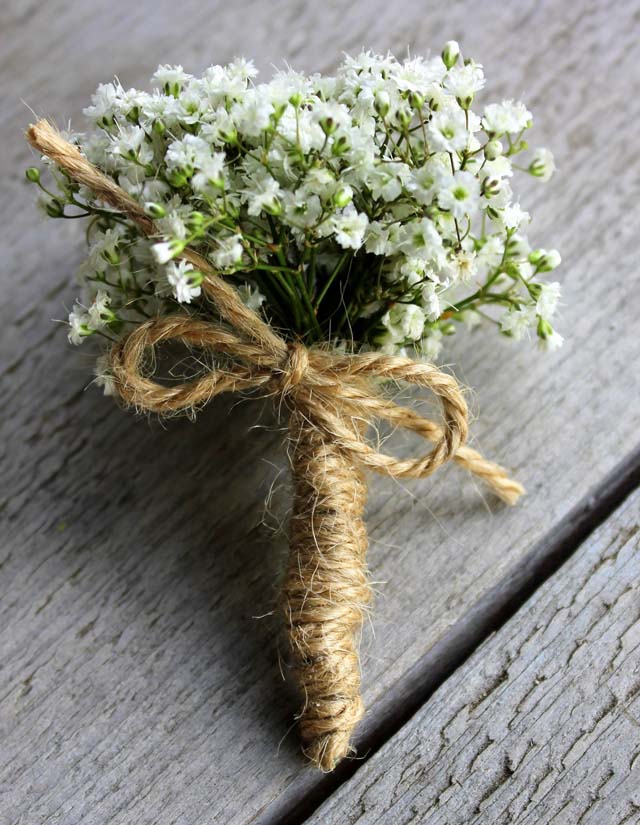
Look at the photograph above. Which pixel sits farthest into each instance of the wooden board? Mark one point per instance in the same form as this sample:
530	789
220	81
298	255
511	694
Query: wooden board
136	682
541	725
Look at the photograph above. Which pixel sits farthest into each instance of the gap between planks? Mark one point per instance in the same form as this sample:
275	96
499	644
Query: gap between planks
483	620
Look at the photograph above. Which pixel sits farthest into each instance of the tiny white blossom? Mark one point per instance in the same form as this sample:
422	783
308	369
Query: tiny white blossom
464	80
99	312
349	227
165	251
447	131
508	116
251	296
459	194
542	164
229	252
184	280
547	302
79	325
517	322
551	342
403	322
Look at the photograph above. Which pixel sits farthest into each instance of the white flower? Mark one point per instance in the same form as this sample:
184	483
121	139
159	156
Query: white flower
190	153
131	142
166	250
551	341
331	116
262	194
547	302
99	312
431	301
447	131
103	103
252	114
431	344
79	325
229	252
513	217
184	280
421	239
464	80
171	78
103	377
542	164
403	322
349	227
465	265
517	322
459	194
508	116
251	296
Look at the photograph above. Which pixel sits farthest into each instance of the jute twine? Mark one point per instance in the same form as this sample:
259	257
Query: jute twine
332	399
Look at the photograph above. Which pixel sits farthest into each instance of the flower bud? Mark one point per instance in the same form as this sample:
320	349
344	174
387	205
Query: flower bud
382	103
416	101
54	208
159	127
544	260
195	221
493	149
405	116
296	99
491	186
155	210
542	165
340	146
450	53
32	174
343	196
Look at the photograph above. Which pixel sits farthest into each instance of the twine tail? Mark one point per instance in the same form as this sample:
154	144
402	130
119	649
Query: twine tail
326	591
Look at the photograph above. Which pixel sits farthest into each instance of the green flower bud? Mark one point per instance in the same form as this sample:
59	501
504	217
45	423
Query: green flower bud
544	328
111	256
296	99
32	174
450	53
340	146
416	101
493	149
195	221
54	208
274	207
155	210
159	128
382	104
491	186
405	116
343	196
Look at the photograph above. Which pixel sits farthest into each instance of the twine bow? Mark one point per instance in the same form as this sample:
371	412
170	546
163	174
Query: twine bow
332	399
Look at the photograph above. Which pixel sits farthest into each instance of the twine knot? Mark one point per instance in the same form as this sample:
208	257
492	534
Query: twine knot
295	366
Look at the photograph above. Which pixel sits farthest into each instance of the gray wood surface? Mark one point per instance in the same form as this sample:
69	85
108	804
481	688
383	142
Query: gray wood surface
136	681
541	725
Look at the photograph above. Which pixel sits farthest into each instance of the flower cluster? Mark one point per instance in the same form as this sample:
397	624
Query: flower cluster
373	208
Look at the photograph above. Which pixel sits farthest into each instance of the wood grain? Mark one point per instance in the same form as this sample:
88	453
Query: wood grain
541	725
136	683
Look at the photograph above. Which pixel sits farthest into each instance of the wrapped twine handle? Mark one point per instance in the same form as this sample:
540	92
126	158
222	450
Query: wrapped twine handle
332	399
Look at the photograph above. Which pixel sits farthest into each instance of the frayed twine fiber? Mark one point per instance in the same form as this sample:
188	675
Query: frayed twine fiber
332	399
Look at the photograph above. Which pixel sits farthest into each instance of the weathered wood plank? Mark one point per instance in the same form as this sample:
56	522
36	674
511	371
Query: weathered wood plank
541	725
135	682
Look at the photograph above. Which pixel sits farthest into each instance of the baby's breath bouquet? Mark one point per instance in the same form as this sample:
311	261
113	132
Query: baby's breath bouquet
360	219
